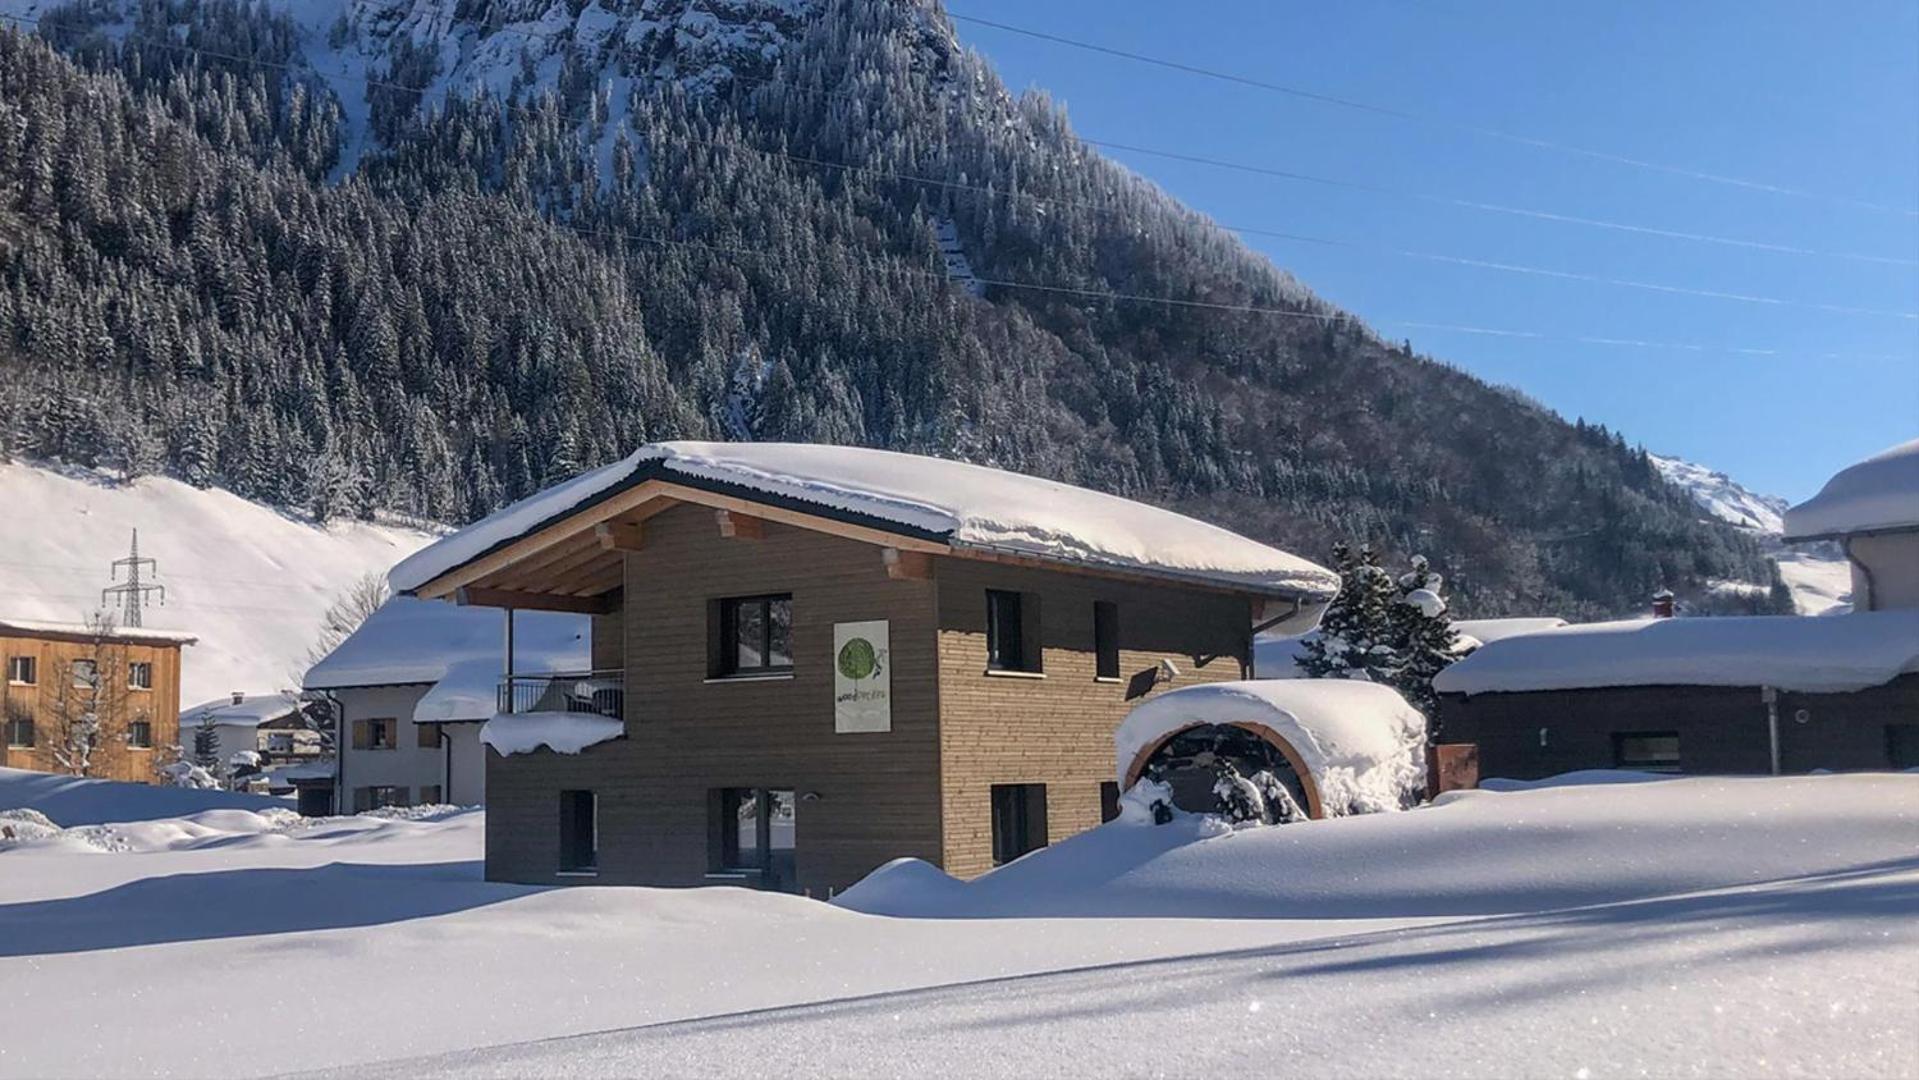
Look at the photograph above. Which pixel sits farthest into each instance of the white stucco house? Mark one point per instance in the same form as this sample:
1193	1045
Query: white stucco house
1872	510
269	723
410	689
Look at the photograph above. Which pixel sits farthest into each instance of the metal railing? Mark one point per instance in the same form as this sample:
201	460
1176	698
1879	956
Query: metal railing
602	693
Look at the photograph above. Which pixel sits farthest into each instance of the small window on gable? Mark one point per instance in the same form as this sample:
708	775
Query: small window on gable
1106	639
751	635
140	675
1012	631
23	670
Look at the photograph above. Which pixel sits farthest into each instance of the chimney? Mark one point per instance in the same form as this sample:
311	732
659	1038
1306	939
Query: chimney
1662	604
240	697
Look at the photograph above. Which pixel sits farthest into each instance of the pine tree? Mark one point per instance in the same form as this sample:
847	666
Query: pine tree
1356	638
1424	637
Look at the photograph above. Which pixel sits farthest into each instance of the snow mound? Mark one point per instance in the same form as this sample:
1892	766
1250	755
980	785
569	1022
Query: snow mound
72	801
1791	652
420	641
1574	841
1361	743
560	732
964	505
1881	492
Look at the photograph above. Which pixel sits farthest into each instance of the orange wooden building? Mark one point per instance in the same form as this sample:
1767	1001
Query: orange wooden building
58	673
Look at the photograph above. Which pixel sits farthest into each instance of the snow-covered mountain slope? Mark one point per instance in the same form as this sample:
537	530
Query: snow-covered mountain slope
1817	574
250	581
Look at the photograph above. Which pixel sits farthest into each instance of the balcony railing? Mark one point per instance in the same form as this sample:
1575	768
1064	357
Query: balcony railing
602	693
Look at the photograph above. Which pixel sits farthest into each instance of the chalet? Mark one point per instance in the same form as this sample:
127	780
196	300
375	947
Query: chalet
1760	694
271	724
56	673
408	691
818	659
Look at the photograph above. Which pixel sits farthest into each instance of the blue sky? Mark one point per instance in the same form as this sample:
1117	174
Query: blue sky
1822	98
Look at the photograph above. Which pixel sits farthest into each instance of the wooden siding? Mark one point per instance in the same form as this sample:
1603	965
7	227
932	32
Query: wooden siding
876	794
1058	729
1721	729
113	759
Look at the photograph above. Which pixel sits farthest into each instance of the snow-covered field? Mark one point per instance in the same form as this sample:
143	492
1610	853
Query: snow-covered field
1727	927
250	581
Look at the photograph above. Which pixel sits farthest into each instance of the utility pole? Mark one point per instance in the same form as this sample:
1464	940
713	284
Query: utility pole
133	591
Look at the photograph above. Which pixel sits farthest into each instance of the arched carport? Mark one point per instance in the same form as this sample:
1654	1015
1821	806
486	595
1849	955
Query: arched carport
1355	746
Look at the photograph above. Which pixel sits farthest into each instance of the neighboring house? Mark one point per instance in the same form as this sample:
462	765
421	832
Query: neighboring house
271	724
410	688
833	657
1872	510
1756	694
56	673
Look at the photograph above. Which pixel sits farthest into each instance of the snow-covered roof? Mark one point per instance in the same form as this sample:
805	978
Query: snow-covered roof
470	690
1881	492
560	732
252	710
1791	652
1362	742
963	505
1474	633
418	641
119	633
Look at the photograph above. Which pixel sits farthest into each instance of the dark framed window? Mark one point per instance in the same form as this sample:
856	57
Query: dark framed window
1902	746
1019	820
140	675
85	672
23	670
140	734
579	832
20	730
377	733
1012	631
1646	751
377	797
1105	639
752	635
429	794
426	736
1108	800
754	832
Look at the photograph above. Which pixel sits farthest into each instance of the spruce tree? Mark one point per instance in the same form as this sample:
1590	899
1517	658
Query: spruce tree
1424	637
1357	637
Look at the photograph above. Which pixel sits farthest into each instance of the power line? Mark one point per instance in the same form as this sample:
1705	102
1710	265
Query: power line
1284	174
1055	289
1429	119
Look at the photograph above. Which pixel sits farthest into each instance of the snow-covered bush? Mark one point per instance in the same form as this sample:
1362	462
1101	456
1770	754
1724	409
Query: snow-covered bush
1149	802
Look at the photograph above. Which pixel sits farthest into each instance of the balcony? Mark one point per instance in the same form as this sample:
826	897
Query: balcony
600	693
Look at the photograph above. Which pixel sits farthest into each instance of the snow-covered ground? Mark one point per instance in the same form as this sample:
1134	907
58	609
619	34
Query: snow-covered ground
1726	927
251	582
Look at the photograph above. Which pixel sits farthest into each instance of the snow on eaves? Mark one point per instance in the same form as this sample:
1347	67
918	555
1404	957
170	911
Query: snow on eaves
1881	492
1791	652
251	710
560	732
418	641
964	505
116	633
1362	743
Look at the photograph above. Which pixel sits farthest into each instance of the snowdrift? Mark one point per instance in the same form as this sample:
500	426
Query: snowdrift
1572	841
70	800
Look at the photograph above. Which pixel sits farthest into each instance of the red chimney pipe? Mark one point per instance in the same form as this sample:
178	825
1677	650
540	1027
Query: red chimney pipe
1662	604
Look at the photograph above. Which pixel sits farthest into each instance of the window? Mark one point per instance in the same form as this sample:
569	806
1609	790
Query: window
376	734
1902	746
20	730
23	670
1108	800
1012	632
1019	820
140	734
1106	639
140	675
430	795
755	832
380	795
752	635
85	672
427	736
579	832
1646	751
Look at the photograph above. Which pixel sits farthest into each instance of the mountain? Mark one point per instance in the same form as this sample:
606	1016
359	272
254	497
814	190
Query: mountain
432	255
1817	574
251	581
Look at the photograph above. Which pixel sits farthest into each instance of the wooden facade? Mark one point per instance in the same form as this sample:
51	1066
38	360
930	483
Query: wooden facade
923	788
1535	734
41	690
